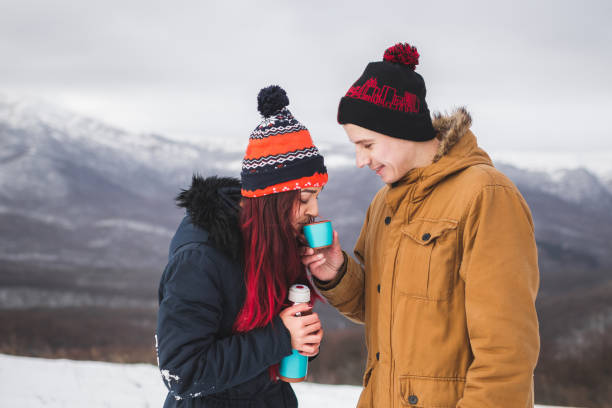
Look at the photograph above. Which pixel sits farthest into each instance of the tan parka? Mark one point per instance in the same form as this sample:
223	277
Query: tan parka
446	282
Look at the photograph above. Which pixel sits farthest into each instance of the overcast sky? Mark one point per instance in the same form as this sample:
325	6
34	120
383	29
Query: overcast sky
534	74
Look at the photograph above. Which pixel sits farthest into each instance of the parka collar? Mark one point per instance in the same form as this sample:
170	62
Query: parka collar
398	190
458	150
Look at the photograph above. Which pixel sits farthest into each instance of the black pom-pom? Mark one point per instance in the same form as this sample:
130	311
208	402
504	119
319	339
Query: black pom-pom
271	100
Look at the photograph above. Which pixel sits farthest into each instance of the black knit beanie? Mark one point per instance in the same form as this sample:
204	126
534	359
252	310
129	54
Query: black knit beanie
389	97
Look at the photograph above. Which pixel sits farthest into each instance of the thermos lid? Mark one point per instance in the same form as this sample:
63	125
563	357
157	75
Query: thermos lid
299	293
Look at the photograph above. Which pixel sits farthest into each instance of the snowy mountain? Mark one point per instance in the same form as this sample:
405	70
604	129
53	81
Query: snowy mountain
577	186
597	162
41	144
78	192
67	384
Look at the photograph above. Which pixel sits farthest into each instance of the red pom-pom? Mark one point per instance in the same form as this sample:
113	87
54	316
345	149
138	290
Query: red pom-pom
402	53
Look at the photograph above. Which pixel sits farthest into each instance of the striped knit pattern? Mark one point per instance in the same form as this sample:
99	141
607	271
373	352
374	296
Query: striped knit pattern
281	157
281	123
275	160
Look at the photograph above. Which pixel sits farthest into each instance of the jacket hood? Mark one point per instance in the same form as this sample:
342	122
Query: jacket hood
457	151
450	129
213	207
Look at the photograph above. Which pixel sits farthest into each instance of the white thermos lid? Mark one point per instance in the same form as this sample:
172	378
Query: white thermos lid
299	293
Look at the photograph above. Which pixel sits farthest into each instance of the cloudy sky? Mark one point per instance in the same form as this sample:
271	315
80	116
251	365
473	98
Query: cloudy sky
534	74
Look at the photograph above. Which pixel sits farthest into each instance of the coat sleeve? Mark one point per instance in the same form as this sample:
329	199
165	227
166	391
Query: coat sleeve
501	277
347	291
194	360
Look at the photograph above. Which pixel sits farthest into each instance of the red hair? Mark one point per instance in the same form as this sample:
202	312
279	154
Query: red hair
271	259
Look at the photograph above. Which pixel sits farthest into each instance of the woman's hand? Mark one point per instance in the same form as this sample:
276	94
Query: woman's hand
324	263
306	332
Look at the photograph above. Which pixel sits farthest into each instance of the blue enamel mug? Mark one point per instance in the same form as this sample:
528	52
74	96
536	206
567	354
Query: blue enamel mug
319	234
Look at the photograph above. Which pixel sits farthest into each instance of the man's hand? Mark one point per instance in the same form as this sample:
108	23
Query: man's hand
324	263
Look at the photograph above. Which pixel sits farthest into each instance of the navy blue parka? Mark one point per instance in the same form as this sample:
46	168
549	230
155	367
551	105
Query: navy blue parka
203	363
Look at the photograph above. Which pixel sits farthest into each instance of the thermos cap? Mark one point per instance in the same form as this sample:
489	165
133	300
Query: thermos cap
299	293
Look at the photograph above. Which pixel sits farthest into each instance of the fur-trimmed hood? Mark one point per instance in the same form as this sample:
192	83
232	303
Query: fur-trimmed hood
450	128
457	151
213	206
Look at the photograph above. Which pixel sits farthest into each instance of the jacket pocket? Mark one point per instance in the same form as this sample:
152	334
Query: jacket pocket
431	392
427	258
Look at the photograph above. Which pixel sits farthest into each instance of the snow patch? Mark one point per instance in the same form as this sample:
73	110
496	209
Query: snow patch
30	256
169	377
26	298
76	384
44	218
134	225
335	161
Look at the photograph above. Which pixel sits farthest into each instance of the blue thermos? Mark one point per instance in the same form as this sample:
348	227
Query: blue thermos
294	367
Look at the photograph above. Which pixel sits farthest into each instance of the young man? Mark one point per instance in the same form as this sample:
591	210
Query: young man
446	274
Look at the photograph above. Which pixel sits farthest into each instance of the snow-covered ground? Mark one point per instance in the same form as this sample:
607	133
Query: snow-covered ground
35	382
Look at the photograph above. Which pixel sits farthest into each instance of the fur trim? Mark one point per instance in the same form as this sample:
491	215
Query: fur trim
213	204
449	129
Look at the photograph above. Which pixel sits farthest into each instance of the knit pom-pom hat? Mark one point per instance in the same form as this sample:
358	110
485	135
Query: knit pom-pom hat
389	97
281	155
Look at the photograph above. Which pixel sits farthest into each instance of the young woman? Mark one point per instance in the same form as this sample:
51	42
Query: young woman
224	323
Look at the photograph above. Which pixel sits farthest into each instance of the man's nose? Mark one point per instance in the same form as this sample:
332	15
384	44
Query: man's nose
361	159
